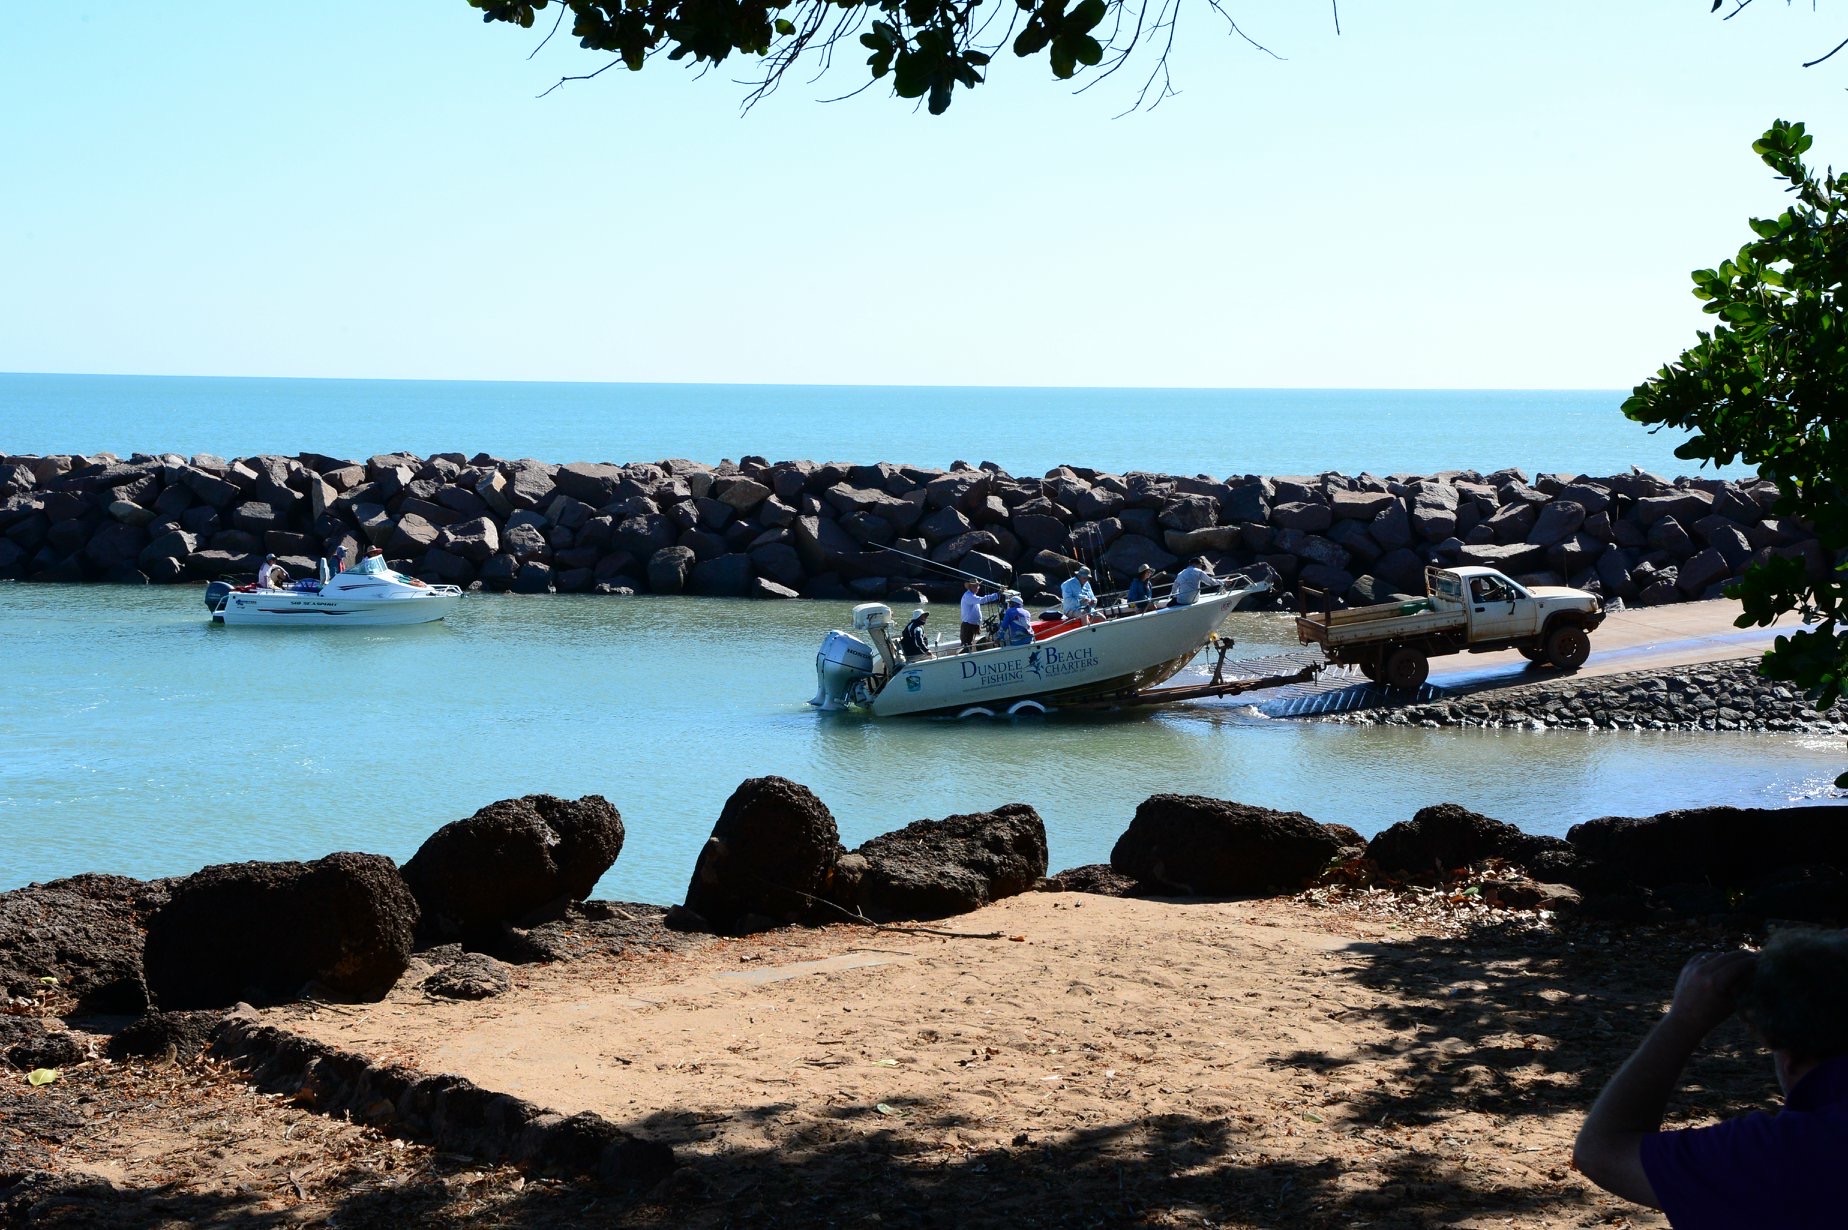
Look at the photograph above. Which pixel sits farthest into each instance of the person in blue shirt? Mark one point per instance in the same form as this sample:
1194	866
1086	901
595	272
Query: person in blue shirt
1076	596
1778	1170
1016	624
1141	596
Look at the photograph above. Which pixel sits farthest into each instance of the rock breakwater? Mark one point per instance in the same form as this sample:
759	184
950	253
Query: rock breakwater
1716	696
821	530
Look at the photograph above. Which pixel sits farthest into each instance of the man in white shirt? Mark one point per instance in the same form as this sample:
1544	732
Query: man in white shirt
270	574
1193	578
973	599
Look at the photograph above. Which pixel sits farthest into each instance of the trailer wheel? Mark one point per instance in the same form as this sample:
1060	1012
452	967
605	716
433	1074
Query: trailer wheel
1567	647
1370	667
1405	668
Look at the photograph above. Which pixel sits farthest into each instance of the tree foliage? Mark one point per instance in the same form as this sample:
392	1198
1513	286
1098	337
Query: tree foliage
924	48
1769	387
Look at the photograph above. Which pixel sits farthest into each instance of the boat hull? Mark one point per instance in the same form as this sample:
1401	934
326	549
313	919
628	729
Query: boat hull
1098	660
283	609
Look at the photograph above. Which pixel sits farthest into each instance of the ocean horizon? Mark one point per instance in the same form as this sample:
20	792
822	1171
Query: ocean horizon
1218	432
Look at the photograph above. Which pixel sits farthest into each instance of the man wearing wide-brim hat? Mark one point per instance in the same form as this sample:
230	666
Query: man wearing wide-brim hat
1076	597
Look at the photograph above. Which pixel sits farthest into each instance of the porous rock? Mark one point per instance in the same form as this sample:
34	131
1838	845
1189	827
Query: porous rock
936	868
86	932
472	975
1447	837
770	857
514	857
262	931
1196	846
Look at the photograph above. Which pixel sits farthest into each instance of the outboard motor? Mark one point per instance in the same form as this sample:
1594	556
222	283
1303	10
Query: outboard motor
215	593
845	665
842	662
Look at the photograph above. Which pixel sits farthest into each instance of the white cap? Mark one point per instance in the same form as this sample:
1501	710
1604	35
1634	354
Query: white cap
918	614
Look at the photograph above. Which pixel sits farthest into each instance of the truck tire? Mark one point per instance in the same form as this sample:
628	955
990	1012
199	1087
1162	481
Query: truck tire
1405	668
1567	646
1533	653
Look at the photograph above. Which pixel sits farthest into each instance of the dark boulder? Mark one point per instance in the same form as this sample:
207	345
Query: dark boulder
86	932
261	931
668	569
770	857
1444	838
936	868
1731	846
509	860
1195	846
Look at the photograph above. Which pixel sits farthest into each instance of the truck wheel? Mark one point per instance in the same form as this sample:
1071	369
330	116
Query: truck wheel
1531	652
1405	668
1567	647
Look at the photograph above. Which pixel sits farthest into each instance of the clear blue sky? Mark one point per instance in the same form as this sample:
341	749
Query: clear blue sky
1449	194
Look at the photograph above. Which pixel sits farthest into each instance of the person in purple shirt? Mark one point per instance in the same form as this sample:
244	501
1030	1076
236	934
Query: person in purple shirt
1759	1170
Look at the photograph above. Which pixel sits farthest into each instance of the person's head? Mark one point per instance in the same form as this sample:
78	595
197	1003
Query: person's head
270	558
972	585
1199	561
375	551
1014	600
920	613
1147	570
1082	572
1797	999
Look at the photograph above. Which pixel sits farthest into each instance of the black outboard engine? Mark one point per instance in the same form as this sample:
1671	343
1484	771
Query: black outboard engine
215	593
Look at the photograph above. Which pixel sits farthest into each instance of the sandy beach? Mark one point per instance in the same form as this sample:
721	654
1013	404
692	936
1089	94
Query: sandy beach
1065	1060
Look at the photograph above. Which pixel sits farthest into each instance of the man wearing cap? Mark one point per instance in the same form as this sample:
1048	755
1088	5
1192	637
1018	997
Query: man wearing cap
912	639
973	599
1192	579
1016	626
1141	596
1076	596
270	574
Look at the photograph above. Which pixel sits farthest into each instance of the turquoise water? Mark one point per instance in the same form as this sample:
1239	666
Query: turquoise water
1219	432
138	738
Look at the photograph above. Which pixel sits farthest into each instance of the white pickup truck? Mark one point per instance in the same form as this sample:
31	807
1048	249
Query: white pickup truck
1465	610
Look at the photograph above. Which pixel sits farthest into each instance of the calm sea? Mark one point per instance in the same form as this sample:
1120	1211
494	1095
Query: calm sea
1219	432
137	738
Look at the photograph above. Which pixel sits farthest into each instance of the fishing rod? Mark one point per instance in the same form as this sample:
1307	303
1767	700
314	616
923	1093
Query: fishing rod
931	563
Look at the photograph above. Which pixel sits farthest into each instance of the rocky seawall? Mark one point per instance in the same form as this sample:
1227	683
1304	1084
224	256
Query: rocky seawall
789	529
1716	696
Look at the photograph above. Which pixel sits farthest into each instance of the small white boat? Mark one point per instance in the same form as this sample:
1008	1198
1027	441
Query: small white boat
354	599
1068	661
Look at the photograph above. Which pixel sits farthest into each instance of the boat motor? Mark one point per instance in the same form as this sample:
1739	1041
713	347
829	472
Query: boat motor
215	594
845	668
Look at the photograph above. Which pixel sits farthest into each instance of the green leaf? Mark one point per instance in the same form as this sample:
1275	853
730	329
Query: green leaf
784	26
1088	50
1085	16
1064	63
41	1076
1030	40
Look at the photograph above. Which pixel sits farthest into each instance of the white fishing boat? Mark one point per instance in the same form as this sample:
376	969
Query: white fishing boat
1069	661
355	599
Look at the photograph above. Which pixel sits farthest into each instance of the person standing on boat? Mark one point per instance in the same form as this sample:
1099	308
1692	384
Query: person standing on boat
1016	626
912	639
973	600
372	563
1076	597
1141	596
270	574
1194	578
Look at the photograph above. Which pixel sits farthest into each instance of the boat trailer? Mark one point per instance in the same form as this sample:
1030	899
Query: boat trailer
1217	686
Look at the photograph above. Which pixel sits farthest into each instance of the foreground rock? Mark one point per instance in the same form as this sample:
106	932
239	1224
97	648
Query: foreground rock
86	933
1442	839
262	931
510	860
1194	846
769	860
937	868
